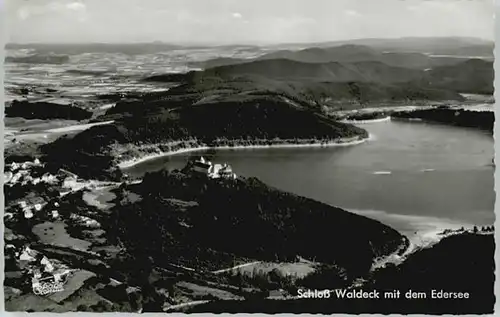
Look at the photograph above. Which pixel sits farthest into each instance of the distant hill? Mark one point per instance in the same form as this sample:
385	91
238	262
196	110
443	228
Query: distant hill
471	76
80	48
352	53
39	59
369	93
344	53
462	46
335	72
315	93
216	62
457	46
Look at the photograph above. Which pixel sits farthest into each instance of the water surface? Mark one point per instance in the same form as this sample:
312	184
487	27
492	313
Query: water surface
412	176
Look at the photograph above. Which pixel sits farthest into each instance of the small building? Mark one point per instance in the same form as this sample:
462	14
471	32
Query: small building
14	166
8	176
48	267
28	213
28	254
227	172
222	171
214	171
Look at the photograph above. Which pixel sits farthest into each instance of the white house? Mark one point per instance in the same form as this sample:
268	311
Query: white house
28	255
8	176
28	213
48	266
14	166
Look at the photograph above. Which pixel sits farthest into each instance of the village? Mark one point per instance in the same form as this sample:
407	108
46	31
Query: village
34	204
29	174
37	204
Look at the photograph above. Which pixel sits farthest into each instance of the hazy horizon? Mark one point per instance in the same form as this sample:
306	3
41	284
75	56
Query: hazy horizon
187	43
226	22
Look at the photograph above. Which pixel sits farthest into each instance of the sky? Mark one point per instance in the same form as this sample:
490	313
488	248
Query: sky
243	21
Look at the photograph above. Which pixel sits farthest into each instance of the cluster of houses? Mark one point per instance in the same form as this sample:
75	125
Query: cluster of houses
34	205
211	170
64	182
44	272
41	268
20	173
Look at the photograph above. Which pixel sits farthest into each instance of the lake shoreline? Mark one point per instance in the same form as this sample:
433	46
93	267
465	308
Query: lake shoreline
387	118
340	142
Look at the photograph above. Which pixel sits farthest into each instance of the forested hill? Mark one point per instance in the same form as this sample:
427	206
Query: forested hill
196	121
332	71
409	55
474	76
258	222
462	76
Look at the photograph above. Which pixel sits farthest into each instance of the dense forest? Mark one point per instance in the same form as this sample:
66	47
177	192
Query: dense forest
269	117
45	110
464	118
181	218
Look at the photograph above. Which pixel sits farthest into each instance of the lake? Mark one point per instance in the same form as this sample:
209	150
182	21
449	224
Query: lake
412	176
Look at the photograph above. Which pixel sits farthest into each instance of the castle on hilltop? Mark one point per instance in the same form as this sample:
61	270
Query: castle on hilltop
211	170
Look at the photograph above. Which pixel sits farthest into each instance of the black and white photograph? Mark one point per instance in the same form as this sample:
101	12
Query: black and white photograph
237	156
